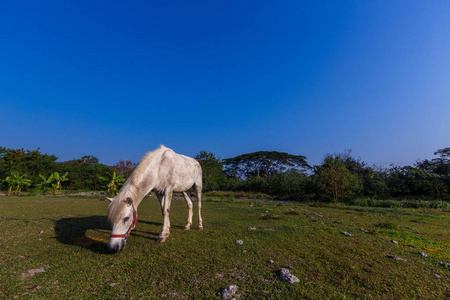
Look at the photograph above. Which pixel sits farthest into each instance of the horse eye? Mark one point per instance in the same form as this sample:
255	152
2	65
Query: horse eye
126	219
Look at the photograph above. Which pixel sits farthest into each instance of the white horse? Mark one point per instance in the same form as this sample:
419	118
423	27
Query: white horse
163	171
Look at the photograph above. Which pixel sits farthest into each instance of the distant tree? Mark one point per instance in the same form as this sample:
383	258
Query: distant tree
440	165
431	177
28	162
112	182
443	153
291	183
16	182
212	171
90	160
373	179
334	179
123	168
264	163
84	173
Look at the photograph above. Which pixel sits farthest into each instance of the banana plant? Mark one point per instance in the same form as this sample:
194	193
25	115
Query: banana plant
16	182
113	182
46	184
52	183
58	179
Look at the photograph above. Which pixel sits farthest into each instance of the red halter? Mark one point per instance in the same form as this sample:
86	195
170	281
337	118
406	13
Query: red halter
132	225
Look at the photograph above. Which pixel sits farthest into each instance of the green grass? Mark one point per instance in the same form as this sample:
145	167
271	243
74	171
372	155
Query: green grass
67	237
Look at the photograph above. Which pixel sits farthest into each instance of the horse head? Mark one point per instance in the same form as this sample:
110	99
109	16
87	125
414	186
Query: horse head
123	217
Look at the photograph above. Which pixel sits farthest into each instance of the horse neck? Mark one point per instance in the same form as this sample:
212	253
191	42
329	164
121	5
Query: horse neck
136	189
144	177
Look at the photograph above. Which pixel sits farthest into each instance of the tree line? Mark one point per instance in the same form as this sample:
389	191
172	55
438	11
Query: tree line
25	170
337	177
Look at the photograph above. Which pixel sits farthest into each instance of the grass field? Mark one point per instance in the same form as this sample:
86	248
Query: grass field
55	248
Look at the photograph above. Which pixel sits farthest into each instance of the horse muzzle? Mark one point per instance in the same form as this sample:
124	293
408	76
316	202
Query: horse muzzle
116	245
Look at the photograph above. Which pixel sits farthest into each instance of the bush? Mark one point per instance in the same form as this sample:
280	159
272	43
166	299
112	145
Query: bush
436	204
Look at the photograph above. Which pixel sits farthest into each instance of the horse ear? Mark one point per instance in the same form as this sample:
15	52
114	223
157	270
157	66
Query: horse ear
128	201
110	199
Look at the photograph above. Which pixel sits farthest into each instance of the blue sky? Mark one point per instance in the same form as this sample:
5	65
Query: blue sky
114	79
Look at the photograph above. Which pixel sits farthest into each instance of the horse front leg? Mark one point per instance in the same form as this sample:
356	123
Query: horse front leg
165	200
190	213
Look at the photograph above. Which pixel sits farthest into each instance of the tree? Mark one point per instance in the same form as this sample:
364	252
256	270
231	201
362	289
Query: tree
123	167
335	180
212	172
264	163
16	182
291	183
28	162
113	182
52	183
440	165
46	184
58	179
373	179
84	172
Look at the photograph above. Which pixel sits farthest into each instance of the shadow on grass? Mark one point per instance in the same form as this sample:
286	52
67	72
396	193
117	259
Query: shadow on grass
73	231
93	232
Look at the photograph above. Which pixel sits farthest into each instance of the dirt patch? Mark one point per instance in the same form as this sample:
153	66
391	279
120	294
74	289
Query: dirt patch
32	272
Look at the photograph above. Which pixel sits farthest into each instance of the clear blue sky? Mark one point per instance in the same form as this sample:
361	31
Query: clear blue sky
114	79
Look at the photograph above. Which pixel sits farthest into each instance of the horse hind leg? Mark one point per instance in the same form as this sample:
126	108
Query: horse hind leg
188	199
198	194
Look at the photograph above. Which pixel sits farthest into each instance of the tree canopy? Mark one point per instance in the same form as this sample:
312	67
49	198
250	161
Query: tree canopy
212	170
264	163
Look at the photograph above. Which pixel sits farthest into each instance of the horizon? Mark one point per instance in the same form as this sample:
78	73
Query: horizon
223	158
115	80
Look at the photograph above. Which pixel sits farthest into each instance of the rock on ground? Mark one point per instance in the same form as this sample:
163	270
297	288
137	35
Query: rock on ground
395	257
346	233
229	291
423	254
286	276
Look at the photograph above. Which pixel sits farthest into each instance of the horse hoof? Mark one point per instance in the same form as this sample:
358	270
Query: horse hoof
200	227
161	240
187	227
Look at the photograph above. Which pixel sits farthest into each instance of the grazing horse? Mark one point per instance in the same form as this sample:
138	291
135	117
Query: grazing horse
164	172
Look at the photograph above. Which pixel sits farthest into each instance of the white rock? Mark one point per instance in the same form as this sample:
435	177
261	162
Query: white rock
286	276
229	291
396	257
423	254
240	242
346	233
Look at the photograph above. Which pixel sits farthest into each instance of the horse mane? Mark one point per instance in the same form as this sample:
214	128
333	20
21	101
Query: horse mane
131	189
